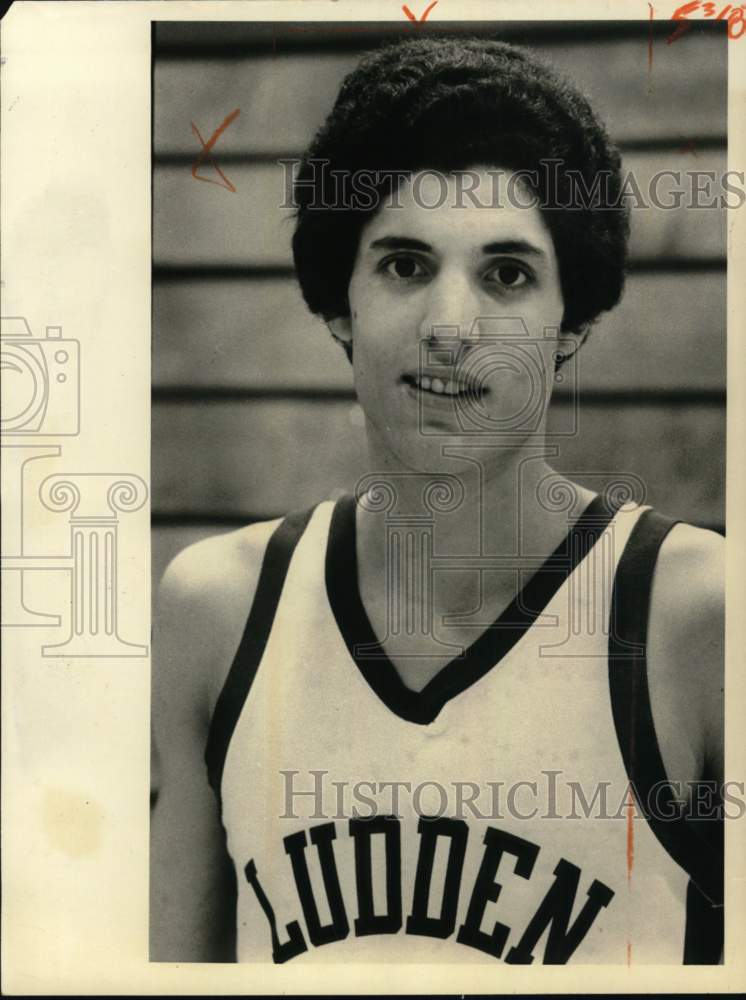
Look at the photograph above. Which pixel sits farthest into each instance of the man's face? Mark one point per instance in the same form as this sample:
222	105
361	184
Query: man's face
449	310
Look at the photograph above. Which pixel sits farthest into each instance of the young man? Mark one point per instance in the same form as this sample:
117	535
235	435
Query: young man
464	714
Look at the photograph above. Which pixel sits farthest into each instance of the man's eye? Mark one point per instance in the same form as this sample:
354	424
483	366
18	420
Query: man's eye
404	267
510	275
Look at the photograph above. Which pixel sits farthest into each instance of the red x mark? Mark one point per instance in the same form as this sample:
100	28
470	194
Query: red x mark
411	16
205	153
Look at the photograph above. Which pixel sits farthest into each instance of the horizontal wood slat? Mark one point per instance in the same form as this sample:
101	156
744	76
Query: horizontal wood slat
667	333
279	456
683	95
191	40
204	223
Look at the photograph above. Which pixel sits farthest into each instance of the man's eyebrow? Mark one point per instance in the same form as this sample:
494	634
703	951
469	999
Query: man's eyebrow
499	246
513	246
400	243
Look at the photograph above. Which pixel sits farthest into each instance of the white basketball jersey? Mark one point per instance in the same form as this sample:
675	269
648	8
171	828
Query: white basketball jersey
513	810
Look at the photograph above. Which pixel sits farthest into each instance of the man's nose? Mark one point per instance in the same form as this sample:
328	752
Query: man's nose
451	308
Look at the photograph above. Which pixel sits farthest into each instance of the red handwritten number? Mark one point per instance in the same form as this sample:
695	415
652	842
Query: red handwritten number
411	16
205	152
736	25
680	14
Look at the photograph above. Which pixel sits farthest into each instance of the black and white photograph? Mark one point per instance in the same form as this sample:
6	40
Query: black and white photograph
438	491
372	442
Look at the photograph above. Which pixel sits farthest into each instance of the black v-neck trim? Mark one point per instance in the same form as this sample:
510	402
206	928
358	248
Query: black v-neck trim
485	652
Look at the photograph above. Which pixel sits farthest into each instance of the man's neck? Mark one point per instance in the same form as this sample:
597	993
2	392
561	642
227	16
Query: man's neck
471	507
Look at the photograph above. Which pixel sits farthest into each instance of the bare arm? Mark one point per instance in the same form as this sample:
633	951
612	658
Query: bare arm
201	610
686	668
686	653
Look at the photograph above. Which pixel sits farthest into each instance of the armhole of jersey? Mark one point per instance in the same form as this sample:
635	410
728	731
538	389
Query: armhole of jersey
700	857
229	705
705	930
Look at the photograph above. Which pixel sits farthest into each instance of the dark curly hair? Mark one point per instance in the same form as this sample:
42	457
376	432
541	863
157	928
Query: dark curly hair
449	104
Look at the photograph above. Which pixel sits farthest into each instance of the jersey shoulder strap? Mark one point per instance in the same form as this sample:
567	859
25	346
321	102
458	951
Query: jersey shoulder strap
229	705
700	856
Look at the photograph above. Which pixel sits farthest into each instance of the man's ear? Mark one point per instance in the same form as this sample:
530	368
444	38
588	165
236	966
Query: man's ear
568	344
341	328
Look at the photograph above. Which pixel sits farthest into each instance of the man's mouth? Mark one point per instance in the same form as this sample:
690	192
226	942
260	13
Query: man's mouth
437	386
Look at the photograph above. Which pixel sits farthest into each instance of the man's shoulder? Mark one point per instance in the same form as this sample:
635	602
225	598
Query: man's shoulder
690	571
203	603
688	596
686	636
218	568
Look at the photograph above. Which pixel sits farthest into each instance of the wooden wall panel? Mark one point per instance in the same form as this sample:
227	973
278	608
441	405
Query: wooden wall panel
270	457
279	110
683	96
237	333
677	451
668	333
205	223
682	232
263	458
